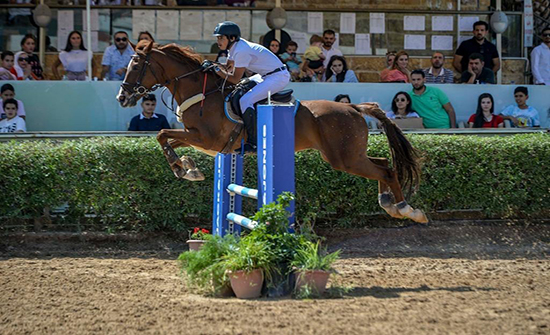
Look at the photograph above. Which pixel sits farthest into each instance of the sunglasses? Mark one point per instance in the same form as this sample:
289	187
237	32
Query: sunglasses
121	39
24	60
401	100
545	35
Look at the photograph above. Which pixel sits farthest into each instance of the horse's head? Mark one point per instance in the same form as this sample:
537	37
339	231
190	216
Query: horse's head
141	76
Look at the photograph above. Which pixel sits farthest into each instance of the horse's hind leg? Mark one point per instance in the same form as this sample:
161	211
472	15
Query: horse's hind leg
385	196
183	167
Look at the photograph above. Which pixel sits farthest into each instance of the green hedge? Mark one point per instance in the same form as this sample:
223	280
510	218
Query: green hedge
127	183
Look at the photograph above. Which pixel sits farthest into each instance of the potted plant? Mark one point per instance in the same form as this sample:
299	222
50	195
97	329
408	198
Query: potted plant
198	238
313	267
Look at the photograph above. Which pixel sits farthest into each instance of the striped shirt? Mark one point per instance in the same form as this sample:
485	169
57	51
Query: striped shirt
445	76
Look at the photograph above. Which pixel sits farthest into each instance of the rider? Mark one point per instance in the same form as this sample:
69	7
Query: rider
245	55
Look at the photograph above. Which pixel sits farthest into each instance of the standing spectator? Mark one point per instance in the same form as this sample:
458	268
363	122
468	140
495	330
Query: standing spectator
7	65
145	35
477	44
401	107
7	92
521	115
337	71
390	58
477	73
148	120
292	60
313	66
28	44
329	37
21	67
437	74
399	72
540	60
12	123
117	57
74	58
431	103
484	116
343	98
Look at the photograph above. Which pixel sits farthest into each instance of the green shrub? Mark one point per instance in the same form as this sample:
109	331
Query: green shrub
126	183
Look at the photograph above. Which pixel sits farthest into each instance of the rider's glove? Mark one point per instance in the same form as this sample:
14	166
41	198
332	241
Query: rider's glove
206	65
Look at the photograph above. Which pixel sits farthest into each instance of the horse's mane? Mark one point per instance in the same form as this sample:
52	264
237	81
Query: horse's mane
184	55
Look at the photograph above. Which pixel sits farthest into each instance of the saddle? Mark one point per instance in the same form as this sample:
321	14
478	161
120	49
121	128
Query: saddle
232	106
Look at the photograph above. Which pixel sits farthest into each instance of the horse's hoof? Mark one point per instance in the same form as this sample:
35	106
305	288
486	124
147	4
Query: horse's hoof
393	211
416	215
194	175
179	172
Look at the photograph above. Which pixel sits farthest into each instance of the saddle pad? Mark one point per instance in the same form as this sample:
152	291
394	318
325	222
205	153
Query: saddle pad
236	118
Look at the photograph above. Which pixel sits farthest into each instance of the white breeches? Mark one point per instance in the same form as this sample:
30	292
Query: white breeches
273	83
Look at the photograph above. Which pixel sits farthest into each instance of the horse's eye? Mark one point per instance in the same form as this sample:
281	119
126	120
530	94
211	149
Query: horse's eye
135	68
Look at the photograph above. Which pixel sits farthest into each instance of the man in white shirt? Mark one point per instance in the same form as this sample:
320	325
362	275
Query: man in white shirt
540	60
329	37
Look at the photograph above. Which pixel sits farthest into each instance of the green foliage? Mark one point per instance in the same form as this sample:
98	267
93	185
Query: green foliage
309	256
126	184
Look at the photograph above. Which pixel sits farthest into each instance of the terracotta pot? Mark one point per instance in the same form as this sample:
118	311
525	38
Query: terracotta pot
247	285
316	280
195	245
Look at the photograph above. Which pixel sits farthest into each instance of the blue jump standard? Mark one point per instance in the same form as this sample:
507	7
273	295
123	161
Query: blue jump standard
275	171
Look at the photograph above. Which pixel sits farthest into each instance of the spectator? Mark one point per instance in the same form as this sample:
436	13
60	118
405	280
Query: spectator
343	98
329	37
540	60
431	103
401	107
49	46
74	58
222	56
12	123
7	65
477	73
313	66
145	35
477	44
20	16
275	46
390	57
21	67
399	72
484	116
8	92
117	57
28	43
521	115
337	71
148	120
292	60
437	74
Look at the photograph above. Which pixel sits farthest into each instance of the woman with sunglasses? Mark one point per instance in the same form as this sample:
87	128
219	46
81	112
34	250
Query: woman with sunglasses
74	58
22	69
401	107
28	44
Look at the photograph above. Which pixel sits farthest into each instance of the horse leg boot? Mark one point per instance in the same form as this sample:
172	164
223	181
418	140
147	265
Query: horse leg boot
249	119
386	199
416	215
193	173
173	160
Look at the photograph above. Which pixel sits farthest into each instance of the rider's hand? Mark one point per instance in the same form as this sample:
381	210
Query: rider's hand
206	65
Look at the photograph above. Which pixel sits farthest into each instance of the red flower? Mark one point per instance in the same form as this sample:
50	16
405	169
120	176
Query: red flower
205	231
196	230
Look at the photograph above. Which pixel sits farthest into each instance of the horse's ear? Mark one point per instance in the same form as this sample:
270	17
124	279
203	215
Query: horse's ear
148	48
132	44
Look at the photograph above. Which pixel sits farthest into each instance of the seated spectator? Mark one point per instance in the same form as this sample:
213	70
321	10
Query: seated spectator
484	116
7	65
390	57
275	46
222	57
148	120
431	103
12	123
292	60
521	115
401	107
313	65
337	71
74	58
117	57
437	74
145	35
540	60
399	72
21	67
8	92
477	73
28	45
343	98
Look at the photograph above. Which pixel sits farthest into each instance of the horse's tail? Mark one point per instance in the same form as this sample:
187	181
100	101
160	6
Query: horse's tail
406	159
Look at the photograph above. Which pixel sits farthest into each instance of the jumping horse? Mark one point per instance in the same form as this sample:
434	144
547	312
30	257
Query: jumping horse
337	130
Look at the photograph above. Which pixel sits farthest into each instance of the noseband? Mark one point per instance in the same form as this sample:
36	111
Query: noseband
137	88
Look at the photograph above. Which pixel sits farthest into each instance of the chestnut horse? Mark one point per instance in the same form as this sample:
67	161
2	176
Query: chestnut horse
339	131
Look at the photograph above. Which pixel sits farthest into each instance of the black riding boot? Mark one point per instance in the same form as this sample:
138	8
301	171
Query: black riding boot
249	119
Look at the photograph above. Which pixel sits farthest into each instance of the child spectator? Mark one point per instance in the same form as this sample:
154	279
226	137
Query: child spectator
13	123
148	120
28	44
399	72
21	67
337	71
74	58
484	117
314	58
292	60
7	65
343	98
390	58
7	92
401	107
521	115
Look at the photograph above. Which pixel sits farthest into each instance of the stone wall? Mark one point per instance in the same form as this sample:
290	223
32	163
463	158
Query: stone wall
377	4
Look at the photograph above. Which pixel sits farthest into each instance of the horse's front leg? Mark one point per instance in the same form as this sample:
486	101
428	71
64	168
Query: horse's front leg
183	167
